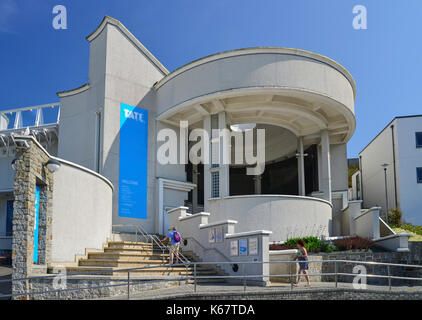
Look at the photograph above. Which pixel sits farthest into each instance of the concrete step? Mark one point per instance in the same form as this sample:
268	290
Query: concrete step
129	244
126	250
124	263
132	256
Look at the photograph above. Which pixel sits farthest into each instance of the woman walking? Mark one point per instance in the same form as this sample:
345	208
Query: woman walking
302	256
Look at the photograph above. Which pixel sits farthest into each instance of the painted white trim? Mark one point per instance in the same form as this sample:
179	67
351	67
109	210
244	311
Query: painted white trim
200	214
130	36
218	223
290	251
177	185
367	211
249	233
278	196
67	93
397	235
177	208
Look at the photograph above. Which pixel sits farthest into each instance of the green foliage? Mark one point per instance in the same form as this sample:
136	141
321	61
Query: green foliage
312	244
394	217
351	170
410	227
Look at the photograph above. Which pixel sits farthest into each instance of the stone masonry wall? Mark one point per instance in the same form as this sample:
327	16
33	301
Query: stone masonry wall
29	172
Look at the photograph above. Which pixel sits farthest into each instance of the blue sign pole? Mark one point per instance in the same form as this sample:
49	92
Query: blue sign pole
133	158
36	223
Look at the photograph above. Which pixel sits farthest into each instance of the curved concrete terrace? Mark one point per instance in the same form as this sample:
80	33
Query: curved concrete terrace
284	215
301	91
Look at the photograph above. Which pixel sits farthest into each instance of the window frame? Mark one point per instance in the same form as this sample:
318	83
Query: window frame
419	179
416	139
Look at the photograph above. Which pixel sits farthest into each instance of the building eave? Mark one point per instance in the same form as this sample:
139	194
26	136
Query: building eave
109	20
67	93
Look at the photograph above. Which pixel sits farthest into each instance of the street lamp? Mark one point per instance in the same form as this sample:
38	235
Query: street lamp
52	165
385	165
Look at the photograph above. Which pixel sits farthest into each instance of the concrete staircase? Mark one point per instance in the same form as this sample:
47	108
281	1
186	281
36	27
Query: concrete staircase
127	254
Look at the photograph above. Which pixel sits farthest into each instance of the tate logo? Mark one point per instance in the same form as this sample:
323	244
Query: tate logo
134	115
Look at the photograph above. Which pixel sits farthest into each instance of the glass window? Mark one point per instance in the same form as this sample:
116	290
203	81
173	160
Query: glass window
418	139
215	184
419	174
9	218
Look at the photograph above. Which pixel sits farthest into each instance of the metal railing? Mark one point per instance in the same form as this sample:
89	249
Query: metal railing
194	275
151	238
33	116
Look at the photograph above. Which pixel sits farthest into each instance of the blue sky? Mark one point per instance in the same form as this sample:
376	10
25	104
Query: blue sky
36	61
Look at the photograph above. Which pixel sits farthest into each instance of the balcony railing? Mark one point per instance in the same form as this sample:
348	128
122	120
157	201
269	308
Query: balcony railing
29	117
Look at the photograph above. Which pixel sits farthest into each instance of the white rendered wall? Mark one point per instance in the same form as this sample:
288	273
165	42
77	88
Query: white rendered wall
285	216
82	205
338	154
130	76
280	68
410	158
378	152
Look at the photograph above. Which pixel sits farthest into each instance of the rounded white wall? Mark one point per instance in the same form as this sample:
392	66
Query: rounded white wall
257	68
82	212
285	216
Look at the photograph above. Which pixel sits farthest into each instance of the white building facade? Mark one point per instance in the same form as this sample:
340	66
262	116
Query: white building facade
391	169
303	101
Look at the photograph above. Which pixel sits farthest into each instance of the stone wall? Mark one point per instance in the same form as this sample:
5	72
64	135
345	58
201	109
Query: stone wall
314	294
30	172
412	257
118	287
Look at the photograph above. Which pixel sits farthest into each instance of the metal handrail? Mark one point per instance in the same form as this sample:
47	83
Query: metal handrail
154	240
208	249
195	277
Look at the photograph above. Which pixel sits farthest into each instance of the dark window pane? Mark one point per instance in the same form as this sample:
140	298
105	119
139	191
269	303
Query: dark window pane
419	174
419	139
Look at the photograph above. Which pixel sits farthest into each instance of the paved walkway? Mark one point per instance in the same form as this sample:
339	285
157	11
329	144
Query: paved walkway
201	289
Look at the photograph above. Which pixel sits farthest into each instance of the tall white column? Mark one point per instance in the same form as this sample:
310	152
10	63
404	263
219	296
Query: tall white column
301	167
326	165
224	156
195	191
207	163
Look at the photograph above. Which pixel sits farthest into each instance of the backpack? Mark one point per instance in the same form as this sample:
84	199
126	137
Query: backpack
176	236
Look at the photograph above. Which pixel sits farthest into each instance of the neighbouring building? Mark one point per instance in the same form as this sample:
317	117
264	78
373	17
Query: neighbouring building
390	173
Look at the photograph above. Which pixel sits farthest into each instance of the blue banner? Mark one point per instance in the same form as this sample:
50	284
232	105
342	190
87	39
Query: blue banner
133	157
36	223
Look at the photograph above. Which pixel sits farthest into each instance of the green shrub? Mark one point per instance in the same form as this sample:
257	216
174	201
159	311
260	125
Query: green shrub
394	217
312	244
412	228
354	243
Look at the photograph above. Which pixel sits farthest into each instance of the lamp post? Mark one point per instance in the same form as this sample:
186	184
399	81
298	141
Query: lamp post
385	165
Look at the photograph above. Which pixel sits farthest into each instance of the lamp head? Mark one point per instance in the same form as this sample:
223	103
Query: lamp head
53	165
